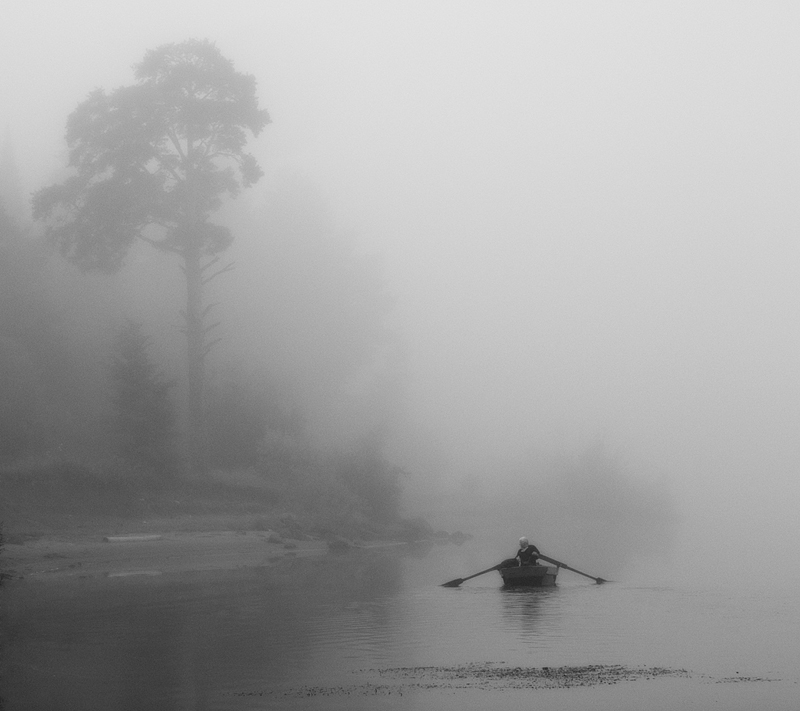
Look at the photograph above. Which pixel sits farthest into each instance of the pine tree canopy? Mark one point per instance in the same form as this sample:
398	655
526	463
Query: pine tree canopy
161	153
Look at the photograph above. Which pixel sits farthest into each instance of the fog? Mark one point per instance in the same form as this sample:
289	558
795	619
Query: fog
569	230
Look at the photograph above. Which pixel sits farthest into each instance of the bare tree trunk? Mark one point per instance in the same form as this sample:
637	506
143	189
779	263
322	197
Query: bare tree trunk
195	355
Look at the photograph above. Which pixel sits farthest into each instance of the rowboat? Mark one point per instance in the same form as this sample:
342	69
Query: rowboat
529	575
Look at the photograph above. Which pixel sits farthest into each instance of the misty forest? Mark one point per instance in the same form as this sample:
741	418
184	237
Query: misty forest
399	355
99	415
169	350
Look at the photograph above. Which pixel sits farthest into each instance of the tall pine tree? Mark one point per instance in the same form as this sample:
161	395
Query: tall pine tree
153	161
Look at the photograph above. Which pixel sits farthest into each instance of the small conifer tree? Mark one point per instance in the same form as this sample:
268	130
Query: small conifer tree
144	424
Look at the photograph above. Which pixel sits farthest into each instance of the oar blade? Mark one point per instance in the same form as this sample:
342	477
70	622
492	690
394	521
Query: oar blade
455	583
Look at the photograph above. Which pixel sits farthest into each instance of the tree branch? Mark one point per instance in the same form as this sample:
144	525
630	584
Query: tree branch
210	346
169	169
159	244
218	272
173	139
211	263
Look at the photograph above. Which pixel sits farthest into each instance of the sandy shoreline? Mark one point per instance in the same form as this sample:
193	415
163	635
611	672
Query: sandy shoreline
53	547
145	552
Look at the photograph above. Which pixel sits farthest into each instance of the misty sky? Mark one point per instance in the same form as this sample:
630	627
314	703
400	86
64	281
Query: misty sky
587	213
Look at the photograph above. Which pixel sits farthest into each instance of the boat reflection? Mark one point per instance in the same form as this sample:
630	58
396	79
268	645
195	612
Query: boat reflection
526	609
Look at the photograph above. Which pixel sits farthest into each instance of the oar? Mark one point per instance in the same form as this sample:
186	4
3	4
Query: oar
564	565
455	583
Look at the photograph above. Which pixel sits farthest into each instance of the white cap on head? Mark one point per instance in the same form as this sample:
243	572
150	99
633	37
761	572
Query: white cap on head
523	542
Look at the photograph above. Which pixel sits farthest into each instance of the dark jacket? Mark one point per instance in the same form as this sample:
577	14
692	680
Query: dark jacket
528	556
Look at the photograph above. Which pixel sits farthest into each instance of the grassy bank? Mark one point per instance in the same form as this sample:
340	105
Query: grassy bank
45	497
68	498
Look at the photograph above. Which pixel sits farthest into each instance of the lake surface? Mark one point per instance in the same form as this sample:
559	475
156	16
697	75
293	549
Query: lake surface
374	629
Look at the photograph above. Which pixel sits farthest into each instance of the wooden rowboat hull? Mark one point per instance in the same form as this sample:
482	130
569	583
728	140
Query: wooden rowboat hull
537	576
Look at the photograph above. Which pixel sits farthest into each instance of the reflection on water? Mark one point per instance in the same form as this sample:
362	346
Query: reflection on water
172	641
223	639
523	608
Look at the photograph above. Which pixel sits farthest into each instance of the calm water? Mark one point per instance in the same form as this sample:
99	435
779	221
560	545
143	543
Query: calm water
262	638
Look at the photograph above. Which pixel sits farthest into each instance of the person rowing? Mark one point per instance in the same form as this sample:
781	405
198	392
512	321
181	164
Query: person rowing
528	554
